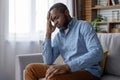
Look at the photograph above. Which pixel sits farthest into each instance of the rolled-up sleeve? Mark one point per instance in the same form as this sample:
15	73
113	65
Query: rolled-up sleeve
50	51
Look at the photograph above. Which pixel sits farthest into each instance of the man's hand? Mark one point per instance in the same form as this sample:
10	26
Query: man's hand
50	28
57	69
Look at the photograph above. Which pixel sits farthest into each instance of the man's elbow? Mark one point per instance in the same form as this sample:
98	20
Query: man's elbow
101	54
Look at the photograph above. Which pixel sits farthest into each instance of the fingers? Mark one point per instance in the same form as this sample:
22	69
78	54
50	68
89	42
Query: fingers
49	17
50	22
51	72
55	72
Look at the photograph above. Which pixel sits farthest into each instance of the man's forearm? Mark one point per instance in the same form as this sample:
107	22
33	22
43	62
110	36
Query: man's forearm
48	36
47	51
67	67
90	58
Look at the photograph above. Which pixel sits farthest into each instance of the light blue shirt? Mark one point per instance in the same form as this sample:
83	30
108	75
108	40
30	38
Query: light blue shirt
79	47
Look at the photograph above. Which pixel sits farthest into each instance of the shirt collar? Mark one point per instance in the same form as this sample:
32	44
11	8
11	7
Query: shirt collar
71	24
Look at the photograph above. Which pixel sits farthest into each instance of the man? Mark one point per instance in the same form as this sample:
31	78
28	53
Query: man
76	42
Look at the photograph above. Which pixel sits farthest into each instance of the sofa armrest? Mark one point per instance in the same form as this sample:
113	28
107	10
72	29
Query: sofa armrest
24	59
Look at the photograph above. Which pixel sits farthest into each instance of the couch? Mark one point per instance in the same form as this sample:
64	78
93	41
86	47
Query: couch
109	41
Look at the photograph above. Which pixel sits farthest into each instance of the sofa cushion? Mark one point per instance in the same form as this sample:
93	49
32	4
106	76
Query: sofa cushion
111	42
110	77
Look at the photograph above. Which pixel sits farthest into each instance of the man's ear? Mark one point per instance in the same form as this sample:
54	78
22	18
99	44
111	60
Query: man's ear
66	12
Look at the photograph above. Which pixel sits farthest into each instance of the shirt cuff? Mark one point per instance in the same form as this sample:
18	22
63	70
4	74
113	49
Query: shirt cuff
73	66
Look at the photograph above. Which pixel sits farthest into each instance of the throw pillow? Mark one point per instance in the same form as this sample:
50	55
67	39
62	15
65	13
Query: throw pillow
103	61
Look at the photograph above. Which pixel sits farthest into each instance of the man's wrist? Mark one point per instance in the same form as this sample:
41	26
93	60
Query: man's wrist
67	68
48	35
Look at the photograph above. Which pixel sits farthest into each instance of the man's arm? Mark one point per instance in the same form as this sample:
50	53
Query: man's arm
95	52
50	50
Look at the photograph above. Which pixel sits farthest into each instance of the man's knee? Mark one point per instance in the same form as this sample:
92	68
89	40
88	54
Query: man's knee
29	67
34	65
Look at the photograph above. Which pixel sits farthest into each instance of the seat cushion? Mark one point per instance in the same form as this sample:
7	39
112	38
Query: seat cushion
111	42
110	77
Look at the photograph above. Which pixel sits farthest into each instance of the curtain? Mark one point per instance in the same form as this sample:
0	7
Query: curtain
3	21
21	37
77	8
15	41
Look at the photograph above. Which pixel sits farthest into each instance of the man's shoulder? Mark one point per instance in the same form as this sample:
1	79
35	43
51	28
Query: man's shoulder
77	21
83	26
83	21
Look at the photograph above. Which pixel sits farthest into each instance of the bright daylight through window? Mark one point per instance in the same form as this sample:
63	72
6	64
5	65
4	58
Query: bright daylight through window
27	19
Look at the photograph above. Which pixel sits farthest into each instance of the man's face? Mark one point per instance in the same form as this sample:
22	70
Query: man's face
59	18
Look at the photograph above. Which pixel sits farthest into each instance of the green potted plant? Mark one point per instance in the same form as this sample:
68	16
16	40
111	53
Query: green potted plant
95	22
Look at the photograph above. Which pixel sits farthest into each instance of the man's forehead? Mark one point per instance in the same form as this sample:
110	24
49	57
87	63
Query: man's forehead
54	12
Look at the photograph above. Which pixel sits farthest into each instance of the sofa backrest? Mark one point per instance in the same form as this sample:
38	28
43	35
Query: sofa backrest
111	42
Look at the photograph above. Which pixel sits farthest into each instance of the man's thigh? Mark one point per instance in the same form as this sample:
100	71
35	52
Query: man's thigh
38	69
78	75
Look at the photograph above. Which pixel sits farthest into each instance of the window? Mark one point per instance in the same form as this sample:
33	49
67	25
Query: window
27	19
